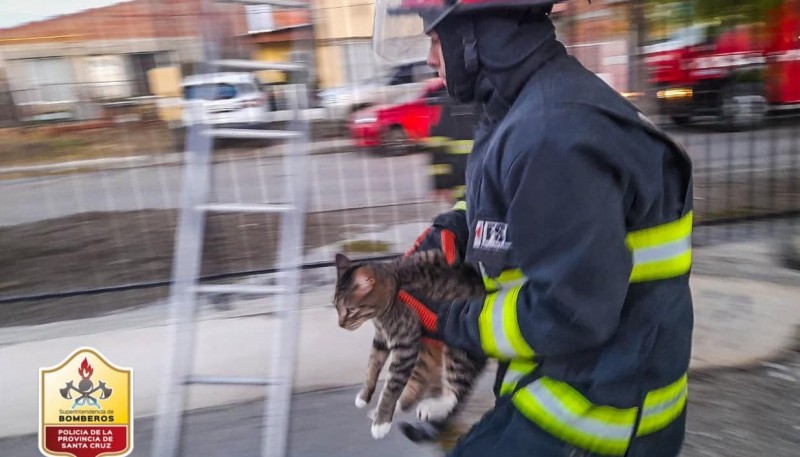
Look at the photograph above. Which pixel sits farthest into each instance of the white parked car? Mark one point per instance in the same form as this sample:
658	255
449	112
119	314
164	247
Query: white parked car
231	99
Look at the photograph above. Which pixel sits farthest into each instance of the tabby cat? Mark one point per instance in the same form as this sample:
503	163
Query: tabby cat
368	290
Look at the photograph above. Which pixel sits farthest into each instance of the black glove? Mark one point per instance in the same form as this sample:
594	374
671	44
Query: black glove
449	234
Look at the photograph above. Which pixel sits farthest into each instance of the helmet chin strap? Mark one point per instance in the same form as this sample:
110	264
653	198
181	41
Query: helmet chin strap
460	52
470	47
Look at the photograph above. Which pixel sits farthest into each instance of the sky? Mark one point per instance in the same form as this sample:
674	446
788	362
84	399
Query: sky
17	12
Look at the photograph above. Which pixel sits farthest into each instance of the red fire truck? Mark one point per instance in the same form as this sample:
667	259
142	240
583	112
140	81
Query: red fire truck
738	73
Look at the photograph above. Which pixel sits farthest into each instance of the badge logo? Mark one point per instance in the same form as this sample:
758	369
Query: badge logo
491	236
85	407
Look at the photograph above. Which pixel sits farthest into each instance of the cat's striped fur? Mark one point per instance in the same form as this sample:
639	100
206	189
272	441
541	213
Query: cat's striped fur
368	291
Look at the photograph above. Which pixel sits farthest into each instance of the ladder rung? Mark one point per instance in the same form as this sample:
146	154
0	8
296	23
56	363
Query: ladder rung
245	208
241	289
251	134
231	380
259	65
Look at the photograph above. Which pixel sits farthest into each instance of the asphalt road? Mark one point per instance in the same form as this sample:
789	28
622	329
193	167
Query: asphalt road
340	180
343	179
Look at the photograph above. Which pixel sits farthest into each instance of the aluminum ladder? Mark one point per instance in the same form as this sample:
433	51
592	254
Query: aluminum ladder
187	260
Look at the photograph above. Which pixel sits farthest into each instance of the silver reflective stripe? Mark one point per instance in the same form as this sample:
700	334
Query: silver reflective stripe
513	375
569	419
662	251
515	371
503	345
661	407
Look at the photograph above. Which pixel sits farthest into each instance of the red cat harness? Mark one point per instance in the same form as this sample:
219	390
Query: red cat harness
447	242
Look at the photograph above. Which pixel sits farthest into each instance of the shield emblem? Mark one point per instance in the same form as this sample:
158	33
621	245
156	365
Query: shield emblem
85	407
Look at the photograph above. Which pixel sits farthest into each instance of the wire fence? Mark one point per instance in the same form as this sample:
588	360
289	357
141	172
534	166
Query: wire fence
90	188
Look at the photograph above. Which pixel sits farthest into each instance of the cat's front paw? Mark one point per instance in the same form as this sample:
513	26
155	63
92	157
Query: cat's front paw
361	402
381	430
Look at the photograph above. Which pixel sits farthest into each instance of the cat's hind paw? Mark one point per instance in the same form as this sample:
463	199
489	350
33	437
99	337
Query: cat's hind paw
381	430
436	409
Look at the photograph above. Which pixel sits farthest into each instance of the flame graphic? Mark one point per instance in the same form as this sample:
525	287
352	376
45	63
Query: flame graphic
85	369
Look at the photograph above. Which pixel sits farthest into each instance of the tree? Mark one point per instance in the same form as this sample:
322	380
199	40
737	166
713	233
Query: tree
740	11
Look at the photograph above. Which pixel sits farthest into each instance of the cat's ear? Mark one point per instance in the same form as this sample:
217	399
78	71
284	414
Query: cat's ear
342	264
364	281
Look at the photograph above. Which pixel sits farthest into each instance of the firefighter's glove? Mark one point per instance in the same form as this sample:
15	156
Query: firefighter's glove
449	235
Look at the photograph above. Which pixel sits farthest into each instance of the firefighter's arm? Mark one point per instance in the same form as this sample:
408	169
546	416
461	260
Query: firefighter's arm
567	226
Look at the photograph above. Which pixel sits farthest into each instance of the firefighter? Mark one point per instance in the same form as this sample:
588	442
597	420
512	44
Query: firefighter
578	214
450	142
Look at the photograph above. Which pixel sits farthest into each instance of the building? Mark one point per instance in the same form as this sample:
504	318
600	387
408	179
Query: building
343	30
68	66
600	36
277	35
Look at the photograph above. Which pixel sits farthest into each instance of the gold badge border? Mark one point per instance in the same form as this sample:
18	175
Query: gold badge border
69	358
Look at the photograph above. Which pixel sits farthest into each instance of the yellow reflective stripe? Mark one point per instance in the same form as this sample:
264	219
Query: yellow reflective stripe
565	413
660	234
506	279
516	370
490	284
460	206
499	328
459	146
488	343
661	252
664	269
579	405
510	276
435	141
662	406
440	169
511	324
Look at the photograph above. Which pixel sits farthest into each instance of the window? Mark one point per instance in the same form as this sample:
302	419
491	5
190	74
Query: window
259	18
210	92
47	80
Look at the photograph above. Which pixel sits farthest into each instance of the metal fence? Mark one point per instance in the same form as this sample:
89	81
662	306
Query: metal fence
110	229
746	183
89	210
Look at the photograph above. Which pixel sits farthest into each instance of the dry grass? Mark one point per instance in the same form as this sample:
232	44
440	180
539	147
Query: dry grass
44	145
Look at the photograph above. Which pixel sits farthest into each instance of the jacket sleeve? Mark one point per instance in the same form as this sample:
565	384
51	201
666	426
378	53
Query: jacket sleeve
566	222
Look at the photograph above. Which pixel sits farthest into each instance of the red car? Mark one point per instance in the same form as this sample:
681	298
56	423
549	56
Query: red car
394	129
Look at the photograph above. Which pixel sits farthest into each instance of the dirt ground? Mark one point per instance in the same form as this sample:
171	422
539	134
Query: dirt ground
96	250
746	413
39	145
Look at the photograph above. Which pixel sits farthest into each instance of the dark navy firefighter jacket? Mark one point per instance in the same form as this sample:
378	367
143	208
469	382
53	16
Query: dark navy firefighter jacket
579	213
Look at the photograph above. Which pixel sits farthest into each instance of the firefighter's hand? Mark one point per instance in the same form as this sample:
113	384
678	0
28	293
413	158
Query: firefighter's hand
435	237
